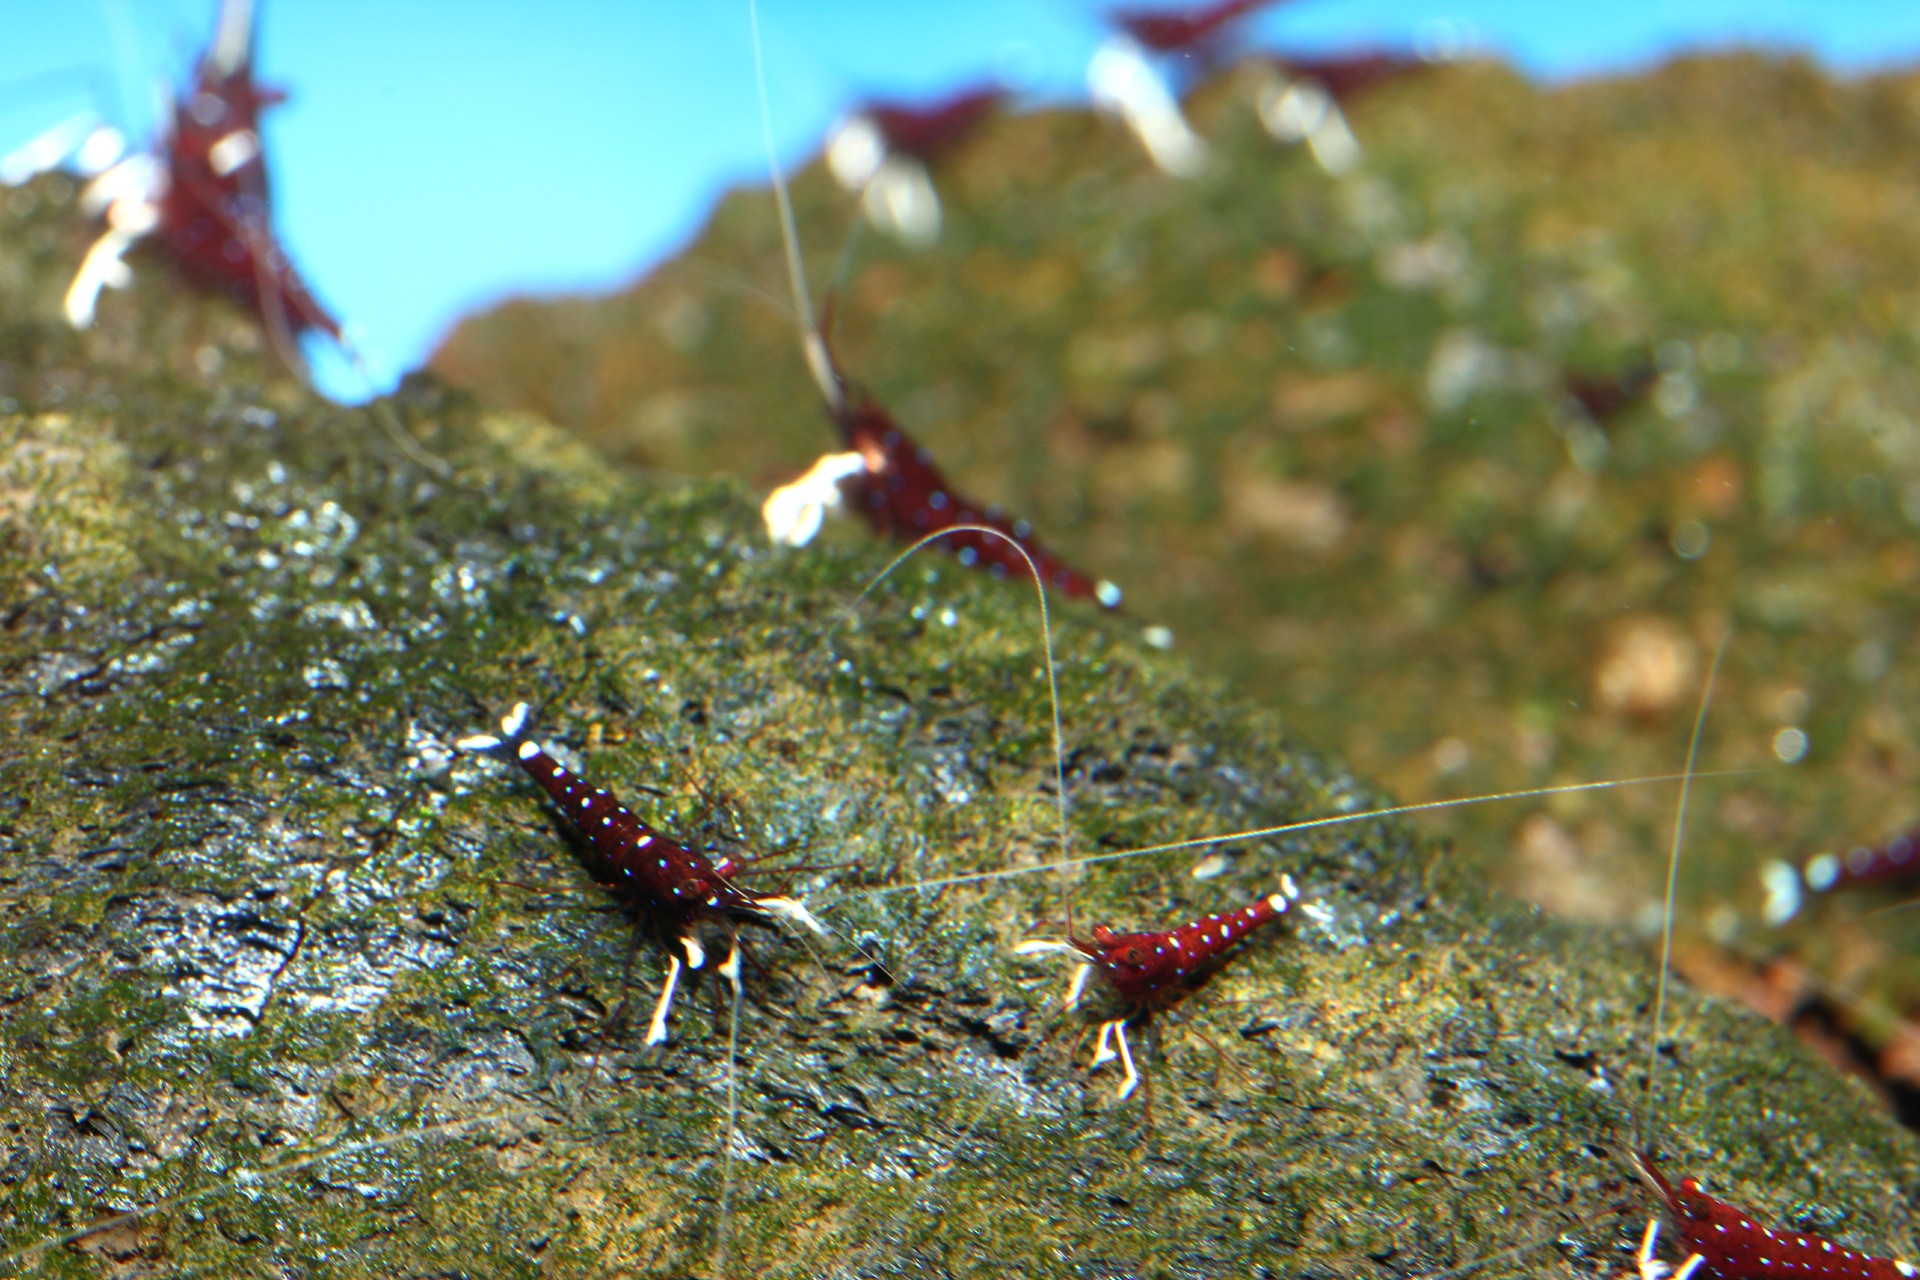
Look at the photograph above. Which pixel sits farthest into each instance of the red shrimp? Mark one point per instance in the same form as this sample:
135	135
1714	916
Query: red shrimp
1346	76
1149	972
884	473
673	889
903	494
882	152
1180	30
924	132
205	197
1725	1241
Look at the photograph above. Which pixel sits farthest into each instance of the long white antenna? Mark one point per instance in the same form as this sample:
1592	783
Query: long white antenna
1673	877
1286	828
819	360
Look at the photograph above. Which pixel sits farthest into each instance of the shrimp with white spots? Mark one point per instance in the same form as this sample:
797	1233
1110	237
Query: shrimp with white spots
1149	972
672	888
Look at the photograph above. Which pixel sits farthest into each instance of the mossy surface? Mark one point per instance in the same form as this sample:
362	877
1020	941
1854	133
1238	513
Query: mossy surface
1323	427
313	995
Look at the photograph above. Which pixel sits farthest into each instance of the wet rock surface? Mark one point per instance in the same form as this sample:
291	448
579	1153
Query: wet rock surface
306	991
1467	458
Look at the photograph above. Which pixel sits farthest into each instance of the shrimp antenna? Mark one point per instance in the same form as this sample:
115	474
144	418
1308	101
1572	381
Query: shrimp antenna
819	359
733	1126
1288	828
1046	640
1673	876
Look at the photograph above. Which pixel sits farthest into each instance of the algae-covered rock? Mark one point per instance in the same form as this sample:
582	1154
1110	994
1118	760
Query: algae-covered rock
291	987
1466	458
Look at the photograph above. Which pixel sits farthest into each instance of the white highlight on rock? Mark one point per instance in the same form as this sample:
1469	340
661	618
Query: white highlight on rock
1124	83
794	511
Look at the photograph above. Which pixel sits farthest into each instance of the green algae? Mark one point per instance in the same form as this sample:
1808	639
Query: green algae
312	994
1323	426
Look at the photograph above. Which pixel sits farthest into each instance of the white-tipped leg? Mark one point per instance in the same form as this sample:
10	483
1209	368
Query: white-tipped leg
1302	111
1077	988
792	909
901	200
1126	1061
103	268
1650	1267
696	954
794	512
1112	1033
129	193
1334	145
730	967
1124	83
1045	947
657	1029
1103	1047
511	725
855	150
